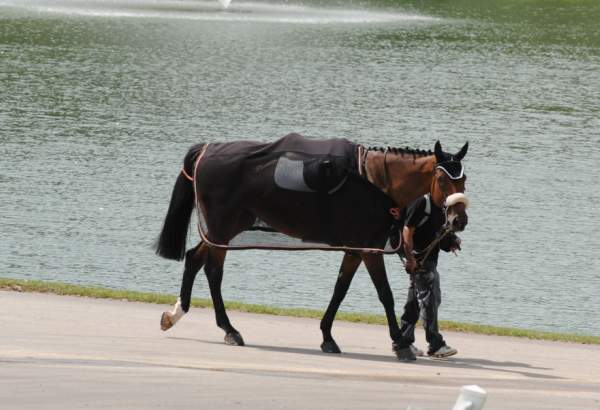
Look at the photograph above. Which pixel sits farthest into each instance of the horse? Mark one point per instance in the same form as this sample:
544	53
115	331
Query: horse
231	194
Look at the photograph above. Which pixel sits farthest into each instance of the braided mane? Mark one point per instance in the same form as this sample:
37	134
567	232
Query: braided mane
403	151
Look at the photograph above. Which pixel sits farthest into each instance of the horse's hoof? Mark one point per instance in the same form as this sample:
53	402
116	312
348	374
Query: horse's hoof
330	347
165	321
234	339
405	354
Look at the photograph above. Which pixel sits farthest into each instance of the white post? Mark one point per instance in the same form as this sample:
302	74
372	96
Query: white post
471	398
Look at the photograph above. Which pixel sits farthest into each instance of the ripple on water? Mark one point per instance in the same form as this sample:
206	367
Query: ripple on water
216	11
97	112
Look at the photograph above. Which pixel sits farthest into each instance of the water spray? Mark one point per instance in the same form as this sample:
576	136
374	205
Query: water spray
224	3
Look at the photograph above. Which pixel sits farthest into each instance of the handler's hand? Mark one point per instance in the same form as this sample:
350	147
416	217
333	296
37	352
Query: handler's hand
411	265
456	245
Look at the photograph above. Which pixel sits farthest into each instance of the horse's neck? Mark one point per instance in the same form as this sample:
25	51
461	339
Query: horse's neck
403	177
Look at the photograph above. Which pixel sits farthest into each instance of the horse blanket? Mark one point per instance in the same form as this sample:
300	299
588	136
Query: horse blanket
295	193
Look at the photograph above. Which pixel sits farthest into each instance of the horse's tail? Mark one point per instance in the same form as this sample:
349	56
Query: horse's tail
173	237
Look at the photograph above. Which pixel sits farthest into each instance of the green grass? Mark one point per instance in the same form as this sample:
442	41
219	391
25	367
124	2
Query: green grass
146	297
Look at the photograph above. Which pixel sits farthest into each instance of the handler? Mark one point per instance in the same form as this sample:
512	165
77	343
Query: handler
424	221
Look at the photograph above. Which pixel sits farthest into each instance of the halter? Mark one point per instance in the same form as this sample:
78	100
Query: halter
454	172
453	199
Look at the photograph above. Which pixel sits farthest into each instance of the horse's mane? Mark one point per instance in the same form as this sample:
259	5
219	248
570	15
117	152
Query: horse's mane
403	151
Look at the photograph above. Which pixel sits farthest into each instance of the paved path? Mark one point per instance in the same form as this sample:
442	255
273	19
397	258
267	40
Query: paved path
69	352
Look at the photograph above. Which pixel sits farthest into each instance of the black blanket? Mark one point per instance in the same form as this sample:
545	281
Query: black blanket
294	193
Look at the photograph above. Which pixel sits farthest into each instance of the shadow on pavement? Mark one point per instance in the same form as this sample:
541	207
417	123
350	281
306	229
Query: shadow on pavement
452	362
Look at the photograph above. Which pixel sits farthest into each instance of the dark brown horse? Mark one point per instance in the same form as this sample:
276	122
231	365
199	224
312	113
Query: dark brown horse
240	190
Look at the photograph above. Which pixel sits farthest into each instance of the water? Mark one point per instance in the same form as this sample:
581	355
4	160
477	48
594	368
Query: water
99	101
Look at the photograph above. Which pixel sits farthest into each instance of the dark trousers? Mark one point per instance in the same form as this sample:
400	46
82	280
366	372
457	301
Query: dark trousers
424	299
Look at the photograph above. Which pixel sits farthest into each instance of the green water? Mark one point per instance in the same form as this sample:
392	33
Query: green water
99	101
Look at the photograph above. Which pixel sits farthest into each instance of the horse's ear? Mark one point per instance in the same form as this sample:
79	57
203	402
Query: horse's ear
463	151
439	154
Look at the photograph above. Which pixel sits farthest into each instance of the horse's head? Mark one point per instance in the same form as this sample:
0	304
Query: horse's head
448	186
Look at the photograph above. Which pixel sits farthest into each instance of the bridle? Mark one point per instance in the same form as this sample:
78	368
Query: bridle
448	201
454	170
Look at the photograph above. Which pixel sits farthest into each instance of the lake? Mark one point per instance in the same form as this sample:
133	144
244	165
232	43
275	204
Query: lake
99	101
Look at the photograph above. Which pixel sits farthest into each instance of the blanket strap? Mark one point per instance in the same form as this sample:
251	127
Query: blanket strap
185	174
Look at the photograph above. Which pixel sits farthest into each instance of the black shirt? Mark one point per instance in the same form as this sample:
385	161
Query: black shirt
428	230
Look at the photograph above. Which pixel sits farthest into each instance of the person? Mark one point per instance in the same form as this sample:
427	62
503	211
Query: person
423	223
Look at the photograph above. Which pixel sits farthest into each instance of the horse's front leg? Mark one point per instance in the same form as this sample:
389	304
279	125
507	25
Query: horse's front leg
349	266
376	268
194	259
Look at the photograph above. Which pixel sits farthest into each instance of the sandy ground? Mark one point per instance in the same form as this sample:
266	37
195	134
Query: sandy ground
71	352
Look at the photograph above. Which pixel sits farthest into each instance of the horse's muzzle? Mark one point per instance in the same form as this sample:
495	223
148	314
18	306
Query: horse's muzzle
457	204
460	222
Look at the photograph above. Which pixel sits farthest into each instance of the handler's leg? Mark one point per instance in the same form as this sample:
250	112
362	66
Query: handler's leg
410	317
349	266
214	273
429	296
376	268
194	259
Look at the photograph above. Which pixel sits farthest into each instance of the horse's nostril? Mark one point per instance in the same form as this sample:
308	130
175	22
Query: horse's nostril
459	224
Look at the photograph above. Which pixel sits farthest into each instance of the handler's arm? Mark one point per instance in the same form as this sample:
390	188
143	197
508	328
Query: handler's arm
407	238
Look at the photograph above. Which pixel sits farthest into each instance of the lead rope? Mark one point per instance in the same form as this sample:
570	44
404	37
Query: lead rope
434	243
445	231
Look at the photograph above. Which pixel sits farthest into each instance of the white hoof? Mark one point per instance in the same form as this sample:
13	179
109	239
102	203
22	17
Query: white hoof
169	319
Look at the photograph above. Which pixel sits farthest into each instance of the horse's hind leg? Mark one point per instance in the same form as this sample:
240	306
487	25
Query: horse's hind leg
349	266
214	274
194	259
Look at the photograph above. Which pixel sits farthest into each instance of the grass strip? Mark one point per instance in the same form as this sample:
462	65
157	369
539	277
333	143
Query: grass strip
161	298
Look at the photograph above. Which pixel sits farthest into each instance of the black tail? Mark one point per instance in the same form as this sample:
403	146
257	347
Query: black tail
172	240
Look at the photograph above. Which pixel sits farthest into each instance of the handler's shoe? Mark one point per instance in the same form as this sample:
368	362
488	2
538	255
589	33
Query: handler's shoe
416	351
444	351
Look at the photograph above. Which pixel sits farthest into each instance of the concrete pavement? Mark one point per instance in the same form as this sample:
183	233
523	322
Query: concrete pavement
72	352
